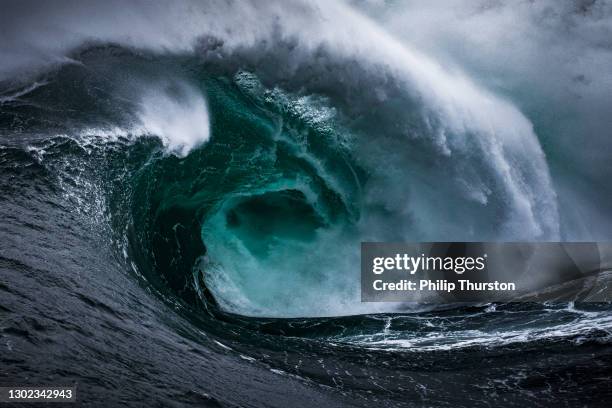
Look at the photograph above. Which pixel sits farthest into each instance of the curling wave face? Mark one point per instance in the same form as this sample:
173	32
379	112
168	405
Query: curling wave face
356	137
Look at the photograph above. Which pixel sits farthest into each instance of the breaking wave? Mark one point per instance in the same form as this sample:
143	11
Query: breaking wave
232	165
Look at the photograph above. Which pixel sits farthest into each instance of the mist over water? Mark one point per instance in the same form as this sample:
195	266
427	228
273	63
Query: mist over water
200	175
540	54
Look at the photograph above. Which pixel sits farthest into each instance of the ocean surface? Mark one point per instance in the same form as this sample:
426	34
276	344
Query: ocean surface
182	227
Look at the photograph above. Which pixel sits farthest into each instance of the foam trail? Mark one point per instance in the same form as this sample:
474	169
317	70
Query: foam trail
14	95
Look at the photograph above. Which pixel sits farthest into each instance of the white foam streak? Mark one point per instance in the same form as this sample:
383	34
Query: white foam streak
577	330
